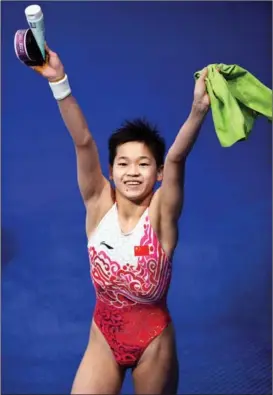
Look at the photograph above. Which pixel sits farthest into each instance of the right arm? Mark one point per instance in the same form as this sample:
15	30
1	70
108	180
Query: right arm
90	178
89	174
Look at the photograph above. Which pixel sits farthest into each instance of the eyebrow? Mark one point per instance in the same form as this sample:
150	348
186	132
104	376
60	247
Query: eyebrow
141	157
126	158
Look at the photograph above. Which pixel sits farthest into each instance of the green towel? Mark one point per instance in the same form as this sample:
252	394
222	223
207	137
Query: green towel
237	99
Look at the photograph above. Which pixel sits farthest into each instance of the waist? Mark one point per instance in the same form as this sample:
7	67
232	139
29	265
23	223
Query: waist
136	314
121	286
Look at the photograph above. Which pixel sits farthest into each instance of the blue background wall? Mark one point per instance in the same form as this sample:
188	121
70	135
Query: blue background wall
128	60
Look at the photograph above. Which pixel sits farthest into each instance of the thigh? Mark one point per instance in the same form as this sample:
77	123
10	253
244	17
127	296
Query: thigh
98	372
157	371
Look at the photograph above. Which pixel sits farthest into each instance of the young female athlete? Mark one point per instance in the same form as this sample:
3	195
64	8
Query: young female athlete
132	232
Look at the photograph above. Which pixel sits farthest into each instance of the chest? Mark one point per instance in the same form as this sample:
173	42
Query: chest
132	265
109	242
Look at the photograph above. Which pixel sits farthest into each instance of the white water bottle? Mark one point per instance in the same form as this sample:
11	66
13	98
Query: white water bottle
35	19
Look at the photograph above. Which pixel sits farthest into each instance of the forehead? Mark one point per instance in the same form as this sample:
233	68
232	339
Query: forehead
133	149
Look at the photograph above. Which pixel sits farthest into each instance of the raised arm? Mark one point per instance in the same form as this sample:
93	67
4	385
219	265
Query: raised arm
172	188
90	178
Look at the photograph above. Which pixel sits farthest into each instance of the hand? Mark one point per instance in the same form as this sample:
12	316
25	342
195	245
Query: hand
53	69
201	99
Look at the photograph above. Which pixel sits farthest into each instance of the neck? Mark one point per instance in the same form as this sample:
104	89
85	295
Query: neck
131	209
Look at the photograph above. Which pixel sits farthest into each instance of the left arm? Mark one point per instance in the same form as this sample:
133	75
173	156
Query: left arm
172	188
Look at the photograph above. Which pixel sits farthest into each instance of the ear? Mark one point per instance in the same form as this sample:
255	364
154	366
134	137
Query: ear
110	169
160	173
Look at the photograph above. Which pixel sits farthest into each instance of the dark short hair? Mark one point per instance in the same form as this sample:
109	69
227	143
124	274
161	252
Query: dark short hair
139	130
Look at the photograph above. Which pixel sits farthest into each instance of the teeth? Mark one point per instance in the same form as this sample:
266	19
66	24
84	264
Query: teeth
132	183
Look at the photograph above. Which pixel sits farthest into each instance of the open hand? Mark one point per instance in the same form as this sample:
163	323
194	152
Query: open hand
53	69
201	99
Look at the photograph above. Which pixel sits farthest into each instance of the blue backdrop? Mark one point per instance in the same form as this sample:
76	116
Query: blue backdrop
127	60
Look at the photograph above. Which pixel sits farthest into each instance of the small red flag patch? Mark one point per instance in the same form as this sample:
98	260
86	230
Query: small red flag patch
142	250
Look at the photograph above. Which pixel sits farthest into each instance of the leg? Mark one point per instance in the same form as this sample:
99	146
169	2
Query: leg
98	372
157	370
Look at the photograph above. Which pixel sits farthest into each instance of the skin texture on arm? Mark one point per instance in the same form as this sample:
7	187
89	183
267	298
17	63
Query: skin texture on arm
90	178
171	192
89	174
174	167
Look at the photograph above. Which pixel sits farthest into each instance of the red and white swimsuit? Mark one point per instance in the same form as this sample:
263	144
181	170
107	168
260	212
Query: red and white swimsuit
131	275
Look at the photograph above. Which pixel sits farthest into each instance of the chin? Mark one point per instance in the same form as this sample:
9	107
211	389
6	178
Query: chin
135	196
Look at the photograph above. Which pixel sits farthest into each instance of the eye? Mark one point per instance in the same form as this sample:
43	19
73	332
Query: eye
122	164
144	164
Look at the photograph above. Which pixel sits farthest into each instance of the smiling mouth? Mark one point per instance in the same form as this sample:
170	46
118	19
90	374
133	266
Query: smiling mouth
132	183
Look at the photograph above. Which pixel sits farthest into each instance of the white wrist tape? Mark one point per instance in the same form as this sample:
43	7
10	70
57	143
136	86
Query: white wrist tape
60	89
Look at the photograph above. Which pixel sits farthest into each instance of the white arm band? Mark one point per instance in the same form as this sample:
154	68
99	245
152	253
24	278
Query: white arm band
61	89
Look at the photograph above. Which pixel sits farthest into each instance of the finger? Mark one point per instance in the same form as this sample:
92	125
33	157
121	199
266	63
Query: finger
38	69
204	74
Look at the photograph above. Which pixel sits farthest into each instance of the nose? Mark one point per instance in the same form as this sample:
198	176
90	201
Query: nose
133	170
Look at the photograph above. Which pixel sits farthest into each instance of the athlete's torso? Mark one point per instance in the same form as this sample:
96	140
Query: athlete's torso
127	269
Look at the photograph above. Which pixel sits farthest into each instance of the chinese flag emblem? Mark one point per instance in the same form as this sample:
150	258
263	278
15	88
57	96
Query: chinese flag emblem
141	250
